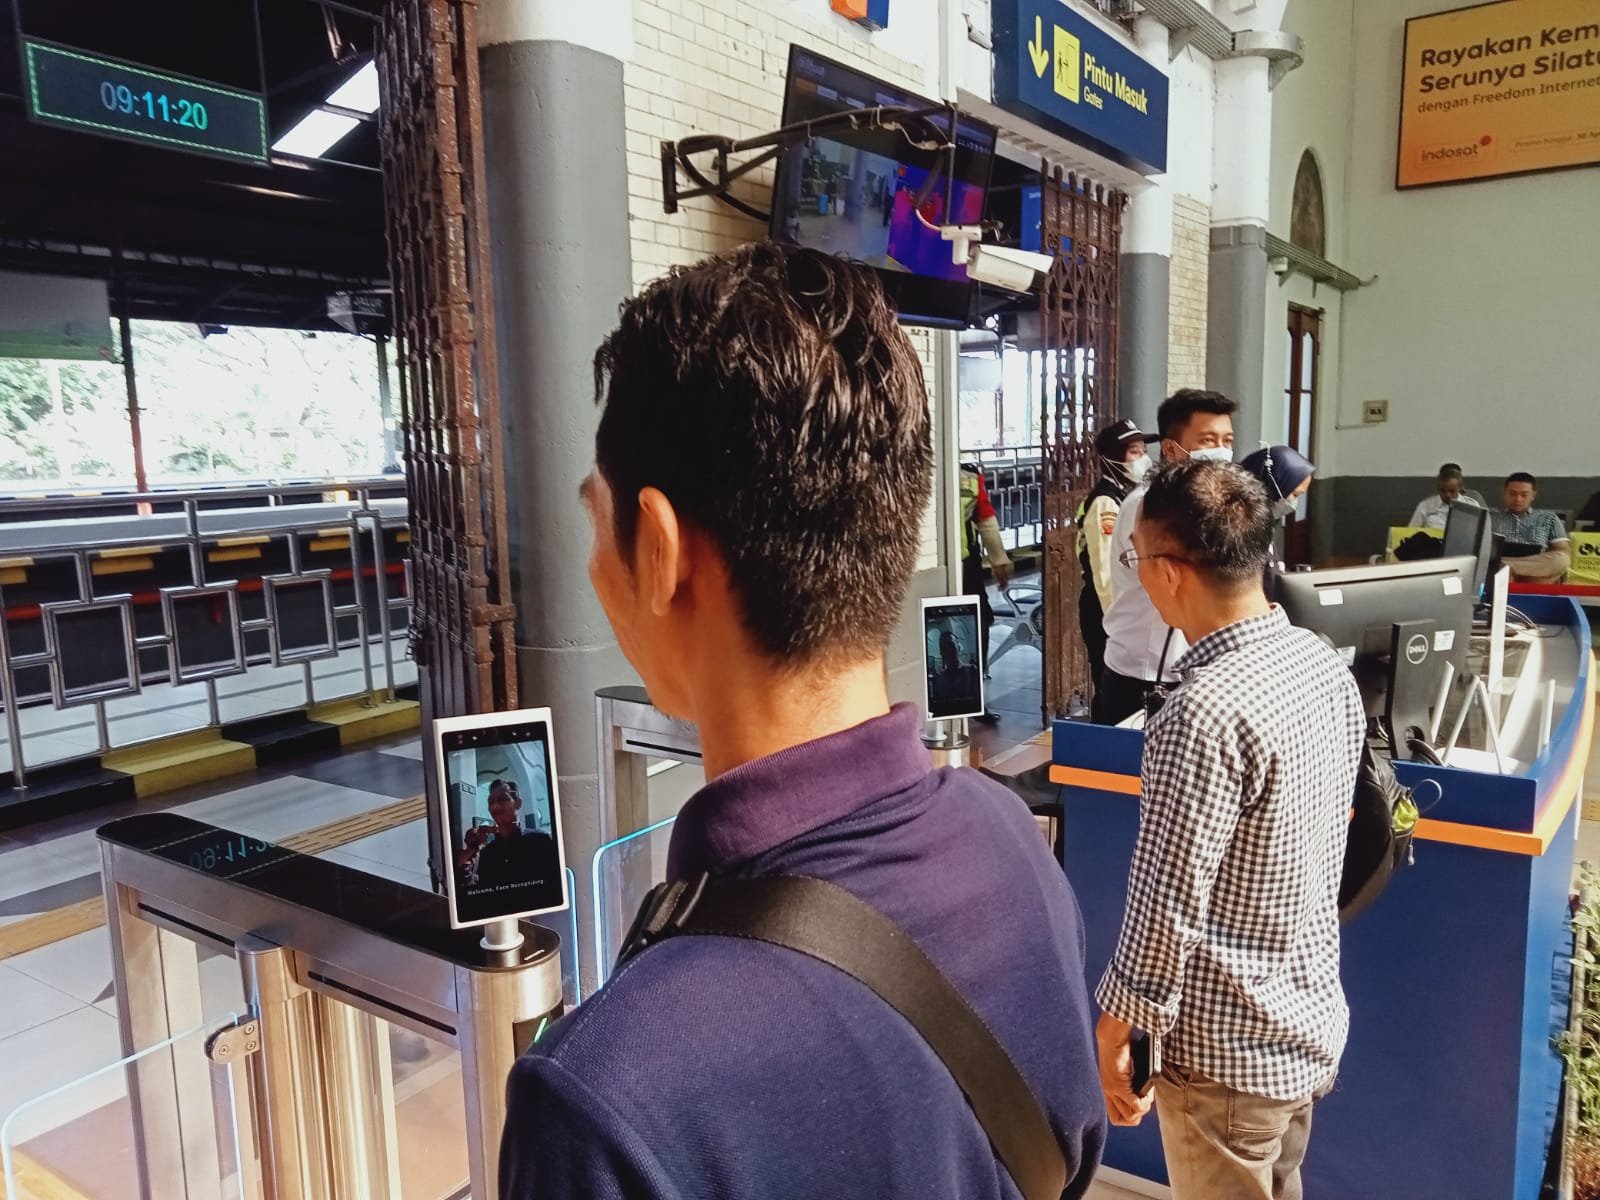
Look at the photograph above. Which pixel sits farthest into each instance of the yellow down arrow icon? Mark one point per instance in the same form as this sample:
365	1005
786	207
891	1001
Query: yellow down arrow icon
1036	50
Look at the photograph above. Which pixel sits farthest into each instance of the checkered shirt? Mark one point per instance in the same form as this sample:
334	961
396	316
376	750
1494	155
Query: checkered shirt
1536	527
1230	942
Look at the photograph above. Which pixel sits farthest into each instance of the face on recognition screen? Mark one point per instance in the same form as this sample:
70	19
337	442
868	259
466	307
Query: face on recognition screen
503	835
951	652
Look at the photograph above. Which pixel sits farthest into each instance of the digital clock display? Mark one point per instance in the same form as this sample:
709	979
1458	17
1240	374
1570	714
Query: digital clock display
74	89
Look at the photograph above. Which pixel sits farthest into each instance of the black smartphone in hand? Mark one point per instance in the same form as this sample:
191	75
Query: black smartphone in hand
1146	1062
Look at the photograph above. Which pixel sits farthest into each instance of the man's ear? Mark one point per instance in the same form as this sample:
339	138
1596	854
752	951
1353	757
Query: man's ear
659	558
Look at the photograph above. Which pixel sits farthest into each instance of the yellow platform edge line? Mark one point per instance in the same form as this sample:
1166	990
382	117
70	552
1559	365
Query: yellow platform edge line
359	722
182	761
58	924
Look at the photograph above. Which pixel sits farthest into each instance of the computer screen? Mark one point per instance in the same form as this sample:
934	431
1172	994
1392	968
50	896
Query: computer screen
1469	532
953	657
873	196
501	819
1356	610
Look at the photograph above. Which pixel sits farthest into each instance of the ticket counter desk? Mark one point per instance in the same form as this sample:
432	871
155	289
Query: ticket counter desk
1458	976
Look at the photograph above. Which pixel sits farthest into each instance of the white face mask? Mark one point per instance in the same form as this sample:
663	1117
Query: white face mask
1212	453
1282	508
1138	468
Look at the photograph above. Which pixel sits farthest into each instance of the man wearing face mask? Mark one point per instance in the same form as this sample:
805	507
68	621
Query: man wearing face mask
1124	462
1141	648
1286	474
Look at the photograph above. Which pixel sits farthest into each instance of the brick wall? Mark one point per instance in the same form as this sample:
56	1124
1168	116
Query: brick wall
717	66
1191	249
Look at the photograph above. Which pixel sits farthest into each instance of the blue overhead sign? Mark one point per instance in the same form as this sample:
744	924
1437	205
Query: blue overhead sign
1059	70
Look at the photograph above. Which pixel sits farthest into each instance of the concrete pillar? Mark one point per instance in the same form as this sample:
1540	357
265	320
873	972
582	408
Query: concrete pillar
1145	274
555	147
1236	294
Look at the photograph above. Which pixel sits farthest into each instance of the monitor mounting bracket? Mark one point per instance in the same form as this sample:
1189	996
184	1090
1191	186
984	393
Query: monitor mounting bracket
918	125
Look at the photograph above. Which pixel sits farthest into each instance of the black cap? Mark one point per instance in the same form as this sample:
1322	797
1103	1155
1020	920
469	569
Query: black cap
1112	441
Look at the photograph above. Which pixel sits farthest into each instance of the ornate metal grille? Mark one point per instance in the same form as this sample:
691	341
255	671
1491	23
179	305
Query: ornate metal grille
462	623
1082	229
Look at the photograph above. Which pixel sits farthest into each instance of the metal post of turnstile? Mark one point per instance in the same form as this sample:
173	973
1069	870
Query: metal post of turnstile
500	1015
286	1079
156	975
330	958
630	731
358	1096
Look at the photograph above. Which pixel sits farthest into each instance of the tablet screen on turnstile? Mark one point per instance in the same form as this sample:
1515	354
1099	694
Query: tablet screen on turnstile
501	819
952	653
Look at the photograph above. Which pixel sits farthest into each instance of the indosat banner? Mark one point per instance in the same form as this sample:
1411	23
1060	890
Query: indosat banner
1500	89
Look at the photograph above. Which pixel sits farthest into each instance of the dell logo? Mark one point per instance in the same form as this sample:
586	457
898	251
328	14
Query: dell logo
1417	650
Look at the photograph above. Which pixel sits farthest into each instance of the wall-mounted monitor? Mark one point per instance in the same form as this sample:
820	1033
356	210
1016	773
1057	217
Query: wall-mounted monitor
865	194
501	820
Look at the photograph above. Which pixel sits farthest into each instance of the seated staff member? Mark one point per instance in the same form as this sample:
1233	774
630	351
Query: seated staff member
1141	648
1229	948
757	601
1435	510
1124	460
1537	546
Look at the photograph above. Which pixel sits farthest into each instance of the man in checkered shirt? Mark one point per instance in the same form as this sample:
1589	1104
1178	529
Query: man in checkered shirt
1536	543
1229	952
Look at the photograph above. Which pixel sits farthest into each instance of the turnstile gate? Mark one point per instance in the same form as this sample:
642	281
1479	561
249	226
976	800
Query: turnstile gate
327	955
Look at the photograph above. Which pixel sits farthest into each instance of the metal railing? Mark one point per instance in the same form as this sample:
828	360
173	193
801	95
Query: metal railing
274	521
1014	476
236	493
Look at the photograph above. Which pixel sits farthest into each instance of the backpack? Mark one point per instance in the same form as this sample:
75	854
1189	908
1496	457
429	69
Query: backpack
1382	822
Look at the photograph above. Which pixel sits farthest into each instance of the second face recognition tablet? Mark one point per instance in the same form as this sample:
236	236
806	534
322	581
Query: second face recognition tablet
953	657
501	820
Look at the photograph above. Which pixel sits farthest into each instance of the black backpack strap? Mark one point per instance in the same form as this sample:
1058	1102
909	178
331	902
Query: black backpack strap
829	924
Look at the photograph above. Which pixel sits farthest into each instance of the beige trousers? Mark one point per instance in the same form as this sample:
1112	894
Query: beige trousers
1221	1144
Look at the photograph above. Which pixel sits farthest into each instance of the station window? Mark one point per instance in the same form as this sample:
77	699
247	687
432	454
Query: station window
216	404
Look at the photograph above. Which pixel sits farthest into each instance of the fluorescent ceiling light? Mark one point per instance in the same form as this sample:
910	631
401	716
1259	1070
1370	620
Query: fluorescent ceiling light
359	92
315	134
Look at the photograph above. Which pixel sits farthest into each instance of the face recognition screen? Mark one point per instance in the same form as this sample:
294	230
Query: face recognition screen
952	654
501	822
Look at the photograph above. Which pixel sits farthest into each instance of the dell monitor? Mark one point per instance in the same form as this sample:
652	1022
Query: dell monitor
1395	624
871	195
1468	531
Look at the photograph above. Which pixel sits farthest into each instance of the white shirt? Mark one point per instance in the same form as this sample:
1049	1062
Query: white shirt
1433	512
1135	632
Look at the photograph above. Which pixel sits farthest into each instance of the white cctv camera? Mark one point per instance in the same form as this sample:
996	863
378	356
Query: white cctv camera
997	266
1001	266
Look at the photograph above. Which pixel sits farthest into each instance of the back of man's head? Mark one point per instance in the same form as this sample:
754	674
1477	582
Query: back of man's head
772	397
1216	516
1184	403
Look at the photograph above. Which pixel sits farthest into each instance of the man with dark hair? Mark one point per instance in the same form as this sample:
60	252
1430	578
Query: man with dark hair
1141	648
1229	951
1536	543
762	465
1450	487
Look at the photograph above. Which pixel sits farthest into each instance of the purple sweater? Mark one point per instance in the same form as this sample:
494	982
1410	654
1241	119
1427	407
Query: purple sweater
716	1067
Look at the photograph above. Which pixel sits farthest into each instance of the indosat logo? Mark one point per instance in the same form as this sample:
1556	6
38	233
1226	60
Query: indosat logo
1479	148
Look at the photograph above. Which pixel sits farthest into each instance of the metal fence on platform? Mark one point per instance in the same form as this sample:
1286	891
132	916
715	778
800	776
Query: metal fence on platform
76	643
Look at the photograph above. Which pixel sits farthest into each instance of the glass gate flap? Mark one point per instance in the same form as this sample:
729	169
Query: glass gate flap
372	1059
82	1139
